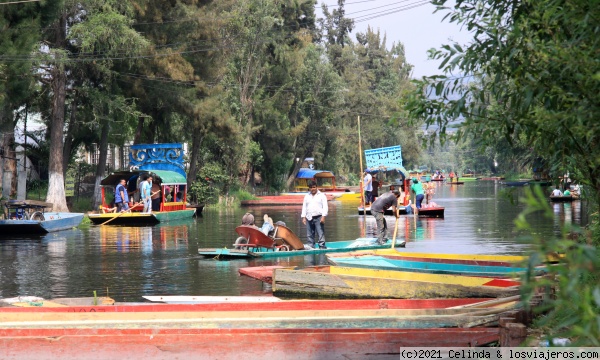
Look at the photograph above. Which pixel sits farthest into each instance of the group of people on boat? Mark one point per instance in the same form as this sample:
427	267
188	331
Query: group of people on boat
144	196
573	191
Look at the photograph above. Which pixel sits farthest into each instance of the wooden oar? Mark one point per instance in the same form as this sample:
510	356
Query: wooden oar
109	220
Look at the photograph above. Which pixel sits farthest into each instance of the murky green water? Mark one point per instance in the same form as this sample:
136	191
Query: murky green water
128	262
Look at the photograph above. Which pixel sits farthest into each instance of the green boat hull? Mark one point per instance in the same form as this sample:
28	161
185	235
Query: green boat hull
333	247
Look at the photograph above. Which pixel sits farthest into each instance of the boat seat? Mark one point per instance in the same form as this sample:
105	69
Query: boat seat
254	236
284	235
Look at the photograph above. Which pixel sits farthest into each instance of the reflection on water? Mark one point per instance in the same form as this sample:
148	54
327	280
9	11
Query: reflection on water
128	262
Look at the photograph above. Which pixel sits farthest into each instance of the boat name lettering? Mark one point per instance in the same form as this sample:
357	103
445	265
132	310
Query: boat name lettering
86	310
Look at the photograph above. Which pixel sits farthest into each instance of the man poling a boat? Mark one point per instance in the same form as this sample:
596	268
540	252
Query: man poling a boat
378	208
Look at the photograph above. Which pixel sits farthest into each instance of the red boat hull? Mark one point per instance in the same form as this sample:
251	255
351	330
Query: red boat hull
153	344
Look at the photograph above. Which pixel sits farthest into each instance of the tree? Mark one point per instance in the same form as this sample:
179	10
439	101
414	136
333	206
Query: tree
21	34
540	81
537	62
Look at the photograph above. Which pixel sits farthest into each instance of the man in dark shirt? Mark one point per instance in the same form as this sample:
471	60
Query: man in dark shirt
378	209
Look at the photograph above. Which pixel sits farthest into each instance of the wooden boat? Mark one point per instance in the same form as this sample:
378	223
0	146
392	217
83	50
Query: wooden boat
180	299
415	264
367	211
493	178
29	217
515	183
455	182
253	243
563	198
357	318
165	163
505	260
333	329
433	211
279	200
242	303
187	343
338	281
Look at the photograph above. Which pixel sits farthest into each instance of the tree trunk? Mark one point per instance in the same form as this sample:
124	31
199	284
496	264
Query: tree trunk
69	138
138	131
101	168
56	181
196	142
292	177
9	167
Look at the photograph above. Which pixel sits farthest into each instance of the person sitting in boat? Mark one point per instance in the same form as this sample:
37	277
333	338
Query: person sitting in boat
111	208
567	192
556	192
267	227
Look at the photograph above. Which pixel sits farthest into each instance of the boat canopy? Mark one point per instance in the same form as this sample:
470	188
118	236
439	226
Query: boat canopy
170	177
324	178
113	178
166	177
310	174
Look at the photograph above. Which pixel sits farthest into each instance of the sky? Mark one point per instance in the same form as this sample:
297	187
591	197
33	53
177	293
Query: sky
413	24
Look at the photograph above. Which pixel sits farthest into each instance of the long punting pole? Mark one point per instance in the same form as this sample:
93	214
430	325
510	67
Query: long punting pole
362	192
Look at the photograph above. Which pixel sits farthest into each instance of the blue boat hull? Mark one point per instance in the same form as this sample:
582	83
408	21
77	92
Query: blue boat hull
332	247
378	262
54	221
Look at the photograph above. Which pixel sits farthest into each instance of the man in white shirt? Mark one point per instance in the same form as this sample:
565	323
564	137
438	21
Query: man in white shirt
314	211
556	192
368	186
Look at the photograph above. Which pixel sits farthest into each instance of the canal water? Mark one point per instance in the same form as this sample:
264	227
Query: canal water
126	263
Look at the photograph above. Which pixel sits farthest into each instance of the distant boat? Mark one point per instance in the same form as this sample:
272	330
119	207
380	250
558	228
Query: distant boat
455	183
52	221
29	217
164	162
515	183
563	198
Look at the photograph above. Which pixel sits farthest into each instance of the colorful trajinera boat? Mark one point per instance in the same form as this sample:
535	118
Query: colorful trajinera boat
333	329
445	266
352	282
390	159
265	273
252	242
30	217
164	162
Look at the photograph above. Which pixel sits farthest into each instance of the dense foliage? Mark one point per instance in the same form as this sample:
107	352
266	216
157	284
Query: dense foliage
529	84
249	85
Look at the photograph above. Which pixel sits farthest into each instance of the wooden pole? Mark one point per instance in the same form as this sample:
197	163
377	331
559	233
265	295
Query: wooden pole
362	192
395	230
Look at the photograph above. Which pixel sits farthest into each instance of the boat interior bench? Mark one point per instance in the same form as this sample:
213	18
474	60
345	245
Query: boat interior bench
283	239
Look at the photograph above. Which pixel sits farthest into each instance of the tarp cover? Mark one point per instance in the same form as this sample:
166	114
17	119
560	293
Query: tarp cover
169	177
309	174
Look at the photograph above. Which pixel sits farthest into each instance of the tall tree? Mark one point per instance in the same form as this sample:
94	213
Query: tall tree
540	70
20	35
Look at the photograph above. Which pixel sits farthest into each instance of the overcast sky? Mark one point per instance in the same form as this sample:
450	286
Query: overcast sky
410	22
